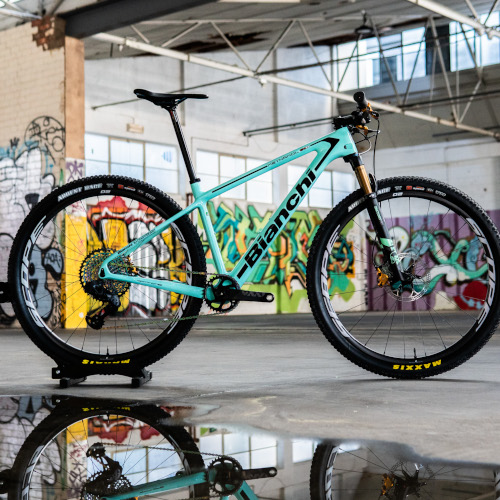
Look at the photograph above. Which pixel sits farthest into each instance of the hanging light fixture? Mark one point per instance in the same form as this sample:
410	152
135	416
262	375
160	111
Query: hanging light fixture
365	29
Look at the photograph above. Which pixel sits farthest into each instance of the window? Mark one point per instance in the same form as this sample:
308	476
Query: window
360	64
153	163
410	53
251	451
303	450
330	188
413	58
215	169
466	43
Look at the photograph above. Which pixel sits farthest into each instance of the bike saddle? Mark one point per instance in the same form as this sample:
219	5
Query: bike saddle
166	100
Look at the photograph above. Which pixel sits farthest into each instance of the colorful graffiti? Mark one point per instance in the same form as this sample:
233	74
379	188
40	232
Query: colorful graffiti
116	221
27	174
118	428
451	258
18	417
283	270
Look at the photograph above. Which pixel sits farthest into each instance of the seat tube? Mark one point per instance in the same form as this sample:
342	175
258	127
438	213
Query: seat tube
212	238
376	217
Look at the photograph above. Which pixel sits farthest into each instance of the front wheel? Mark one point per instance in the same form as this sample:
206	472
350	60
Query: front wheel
79	319
449	252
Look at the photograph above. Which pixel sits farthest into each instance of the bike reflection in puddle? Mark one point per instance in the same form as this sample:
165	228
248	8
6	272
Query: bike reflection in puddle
73	448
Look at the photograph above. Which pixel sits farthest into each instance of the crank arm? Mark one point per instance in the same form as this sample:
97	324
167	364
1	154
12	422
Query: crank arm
248	296
249	474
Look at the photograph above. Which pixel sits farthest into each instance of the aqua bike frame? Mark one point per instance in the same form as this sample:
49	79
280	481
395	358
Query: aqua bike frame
338	144
244	492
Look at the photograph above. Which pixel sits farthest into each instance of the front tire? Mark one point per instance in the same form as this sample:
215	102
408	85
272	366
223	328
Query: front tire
449	250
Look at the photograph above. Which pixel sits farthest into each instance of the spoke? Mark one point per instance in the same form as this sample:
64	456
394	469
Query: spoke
421	332
437	329
392	219
383	319
455	304
390	329
76	230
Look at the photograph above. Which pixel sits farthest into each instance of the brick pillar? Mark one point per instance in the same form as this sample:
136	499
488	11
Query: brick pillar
41	122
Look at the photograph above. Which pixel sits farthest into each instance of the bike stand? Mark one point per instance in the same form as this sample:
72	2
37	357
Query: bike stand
69	377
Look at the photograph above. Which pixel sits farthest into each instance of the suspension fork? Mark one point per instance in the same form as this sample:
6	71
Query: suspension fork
378	222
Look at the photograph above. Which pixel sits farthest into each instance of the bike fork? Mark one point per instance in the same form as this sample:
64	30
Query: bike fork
378	222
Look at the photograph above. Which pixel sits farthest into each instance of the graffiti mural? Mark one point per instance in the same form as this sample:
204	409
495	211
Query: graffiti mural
452	257
18	417
74	169
27	174
283	270
118	221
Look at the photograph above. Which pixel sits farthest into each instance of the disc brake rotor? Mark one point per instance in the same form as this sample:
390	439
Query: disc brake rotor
416	274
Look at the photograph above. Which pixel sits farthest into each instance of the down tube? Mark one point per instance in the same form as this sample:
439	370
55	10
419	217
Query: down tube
329	150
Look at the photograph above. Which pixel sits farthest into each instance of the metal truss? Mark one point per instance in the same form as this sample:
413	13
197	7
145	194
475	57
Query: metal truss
444	11
270	76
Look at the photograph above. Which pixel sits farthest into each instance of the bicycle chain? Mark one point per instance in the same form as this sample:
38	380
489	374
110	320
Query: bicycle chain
171	319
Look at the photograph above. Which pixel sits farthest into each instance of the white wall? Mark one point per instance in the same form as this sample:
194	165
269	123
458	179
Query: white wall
472	166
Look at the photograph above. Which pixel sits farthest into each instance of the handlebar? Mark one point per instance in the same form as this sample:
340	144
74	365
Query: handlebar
358	118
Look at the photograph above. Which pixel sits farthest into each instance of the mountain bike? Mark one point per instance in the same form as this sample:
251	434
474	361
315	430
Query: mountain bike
113	450
109	271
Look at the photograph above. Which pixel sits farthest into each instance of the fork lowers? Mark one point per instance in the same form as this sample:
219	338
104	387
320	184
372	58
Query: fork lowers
383	236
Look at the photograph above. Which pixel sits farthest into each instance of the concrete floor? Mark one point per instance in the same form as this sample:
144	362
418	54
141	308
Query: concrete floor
280	374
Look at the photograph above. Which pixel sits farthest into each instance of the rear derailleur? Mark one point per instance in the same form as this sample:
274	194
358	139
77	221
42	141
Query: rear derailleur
95	319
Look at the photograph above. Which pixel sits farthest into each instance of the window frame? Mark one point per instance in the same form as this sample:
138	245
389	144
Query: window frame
144	165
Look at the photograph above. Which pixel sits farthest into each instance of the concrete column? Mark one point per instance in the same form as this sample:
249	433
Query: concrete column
41	122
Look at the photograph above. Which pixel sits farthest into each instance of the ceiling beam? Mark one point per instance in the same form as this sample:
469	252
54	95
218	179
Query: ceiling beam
444	11
382	106
112	14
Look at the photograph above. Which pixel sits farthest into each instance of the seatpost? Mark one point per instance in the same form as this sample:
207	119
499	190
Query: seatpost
182	144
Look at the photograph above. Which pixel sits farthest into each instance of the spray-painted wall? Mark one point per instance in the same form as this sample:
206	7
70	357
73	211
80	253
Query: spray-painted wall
281	272
31	142
41	130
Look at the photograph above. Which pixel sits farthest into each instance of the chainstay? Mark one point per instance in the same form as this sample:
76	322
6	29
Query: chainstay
171	319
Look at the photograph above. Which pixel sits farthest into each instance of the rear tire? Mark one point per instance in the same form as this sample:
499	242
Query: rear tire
56	256
52	462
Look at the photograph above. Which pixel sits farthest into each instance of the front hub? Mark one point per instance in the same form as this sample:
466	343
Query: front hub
416	278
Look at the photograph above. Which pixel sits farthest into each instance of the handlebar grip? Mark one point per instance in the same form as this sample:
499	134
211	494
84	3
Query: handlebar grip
360	98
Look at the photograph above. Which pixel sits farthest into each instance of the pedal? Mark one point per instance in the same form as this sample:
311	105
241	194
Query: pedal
248	296
4	292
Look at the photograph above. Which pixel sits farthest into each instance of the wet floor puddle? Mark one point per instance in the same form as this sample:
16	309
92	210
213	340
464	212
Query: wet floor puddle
58	448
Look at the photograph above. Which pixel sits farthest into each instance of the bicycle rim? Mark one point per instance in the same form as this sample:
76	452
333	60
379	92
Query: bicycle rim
347	471
445	314
105	454
62	256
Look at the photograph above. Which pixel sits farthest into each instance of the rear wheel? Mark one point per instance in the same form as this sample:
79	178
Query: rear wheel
449	305
76	317
94	452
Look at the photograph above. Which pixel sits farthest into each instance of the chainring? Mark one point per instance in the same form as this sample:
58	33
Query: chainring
219	293
228	476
